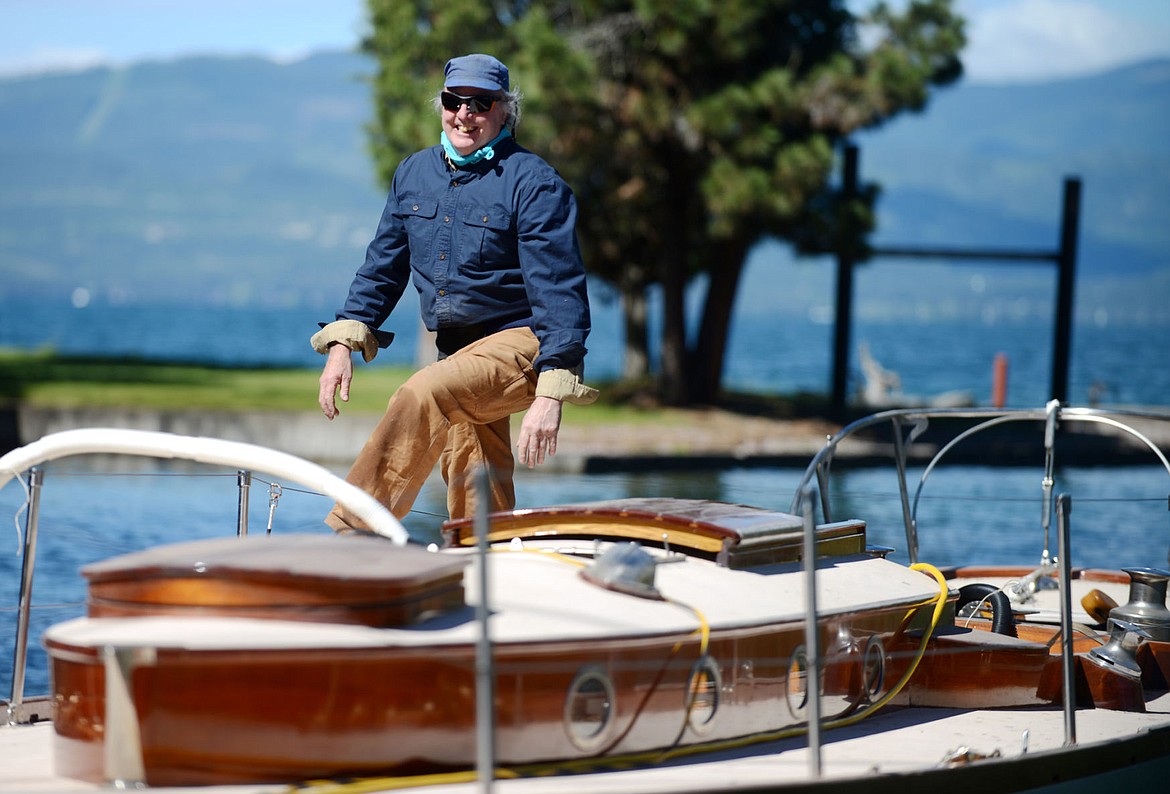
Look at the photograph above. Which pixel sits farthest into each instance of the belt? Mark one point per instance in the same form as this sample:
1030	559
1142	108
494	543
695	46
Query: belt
452	340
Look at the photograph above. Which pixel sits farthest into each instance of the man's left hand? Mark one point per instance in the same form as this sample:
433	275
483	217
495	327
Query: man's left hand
538	431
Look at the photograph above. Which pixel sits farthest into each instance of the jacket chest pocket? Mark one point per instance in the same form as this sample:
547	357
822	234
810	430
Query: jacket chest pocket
488	240
418	218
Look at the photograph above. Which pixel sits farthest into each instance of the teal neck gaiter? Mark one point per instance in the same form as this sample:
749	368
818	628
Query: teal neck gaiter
485	152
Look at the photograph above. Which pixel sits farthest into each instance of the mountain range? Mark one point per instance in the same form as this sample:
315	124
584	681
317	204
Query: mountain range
241	181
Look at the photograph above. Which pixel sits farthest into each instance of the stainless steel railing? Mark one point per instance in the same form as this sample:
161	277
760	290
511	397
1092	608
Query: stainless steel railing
908	425
215	452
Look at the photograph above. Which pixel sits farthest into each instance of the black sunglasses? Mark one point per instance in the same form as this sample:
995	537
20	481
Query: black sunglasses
476	103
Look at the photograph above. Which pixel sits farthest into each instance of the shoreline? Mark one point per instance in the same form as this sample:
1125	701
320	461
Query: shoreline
706	439
702	439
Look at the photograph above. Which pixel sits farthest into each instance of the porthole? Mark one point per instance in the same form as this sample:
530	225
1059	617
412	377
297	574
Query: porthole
873	669
703	694
796	683
589	708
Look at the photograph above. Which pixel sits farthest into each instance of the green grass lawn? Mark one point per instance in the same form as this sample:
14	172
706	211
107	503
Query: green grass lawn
46	379
66	382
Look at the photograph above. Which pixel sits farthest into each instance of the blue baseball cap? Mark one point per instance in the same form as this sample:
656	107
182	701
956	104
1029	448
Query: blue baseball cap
476	71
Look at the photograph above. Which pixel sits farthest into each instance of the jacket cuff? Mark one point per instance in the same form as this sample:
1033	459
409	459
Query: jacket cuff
565	385
353	334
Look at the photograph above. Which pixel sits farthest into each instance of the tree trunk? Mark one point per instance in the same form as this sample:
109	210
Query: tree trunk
636	350
710	351
672	384
673	270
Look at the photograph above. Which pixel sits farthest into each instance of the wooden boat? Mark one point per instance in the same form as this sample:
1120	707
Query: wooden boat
631	633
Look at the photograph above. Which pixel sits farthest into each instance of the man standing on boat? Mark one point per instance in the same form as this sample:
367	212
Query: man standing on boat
486	230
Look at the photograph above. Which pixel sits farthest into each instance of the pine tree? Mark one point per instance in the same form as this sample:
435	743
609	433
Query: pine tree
690	130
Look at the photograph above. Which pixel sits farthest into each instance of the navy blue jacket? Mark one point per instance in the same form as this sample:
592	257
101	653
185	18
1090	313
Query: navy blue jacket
492	244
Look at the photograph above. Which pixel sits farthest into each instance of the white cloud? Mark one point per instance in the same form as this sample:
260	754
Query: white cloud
1030	40
1008	40
52	59
51	35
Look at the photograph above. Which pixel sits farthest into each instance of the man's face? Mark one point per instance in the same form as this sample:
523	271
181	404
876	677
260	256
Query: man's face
468	130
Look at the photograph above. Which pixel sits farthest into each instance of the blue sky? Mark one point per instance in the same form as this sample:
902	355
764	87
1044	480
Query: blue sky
1010	40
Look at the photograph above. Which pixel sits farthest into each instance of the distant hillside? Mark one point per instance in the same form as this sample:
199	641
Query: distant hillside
230	180
984	165
245	182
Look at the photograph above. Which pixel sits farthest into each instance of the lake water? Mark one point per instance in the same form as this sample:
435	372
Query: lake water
967	515
970	514
938	335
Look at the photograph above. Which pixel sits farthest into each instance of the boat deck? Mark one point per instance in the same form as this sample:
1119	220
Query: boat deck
881	747
898	740
894	749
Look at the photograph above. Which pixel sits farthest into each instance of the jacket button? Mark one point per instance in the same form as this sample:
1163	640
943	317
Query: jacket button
415	208
485	218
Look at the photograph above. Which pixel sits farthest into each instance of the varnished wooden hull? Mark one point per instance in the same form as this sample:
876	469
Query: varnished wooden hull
221	692
289	715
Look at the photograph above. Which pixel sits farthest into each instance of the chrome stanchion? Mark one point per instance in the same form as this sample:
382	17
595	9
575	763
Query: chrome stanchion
1050	423
1068	662
812	637
909	519
16	713
485	674
244	481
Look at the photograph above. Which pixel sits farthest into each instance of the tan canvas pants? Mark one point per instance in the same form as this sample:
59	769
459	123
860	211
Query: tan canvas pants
455	412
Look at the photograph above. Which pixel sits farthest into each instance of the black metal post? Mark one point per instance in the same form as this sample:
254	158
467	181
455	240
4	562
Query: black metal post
844	309
1065	259
1066	263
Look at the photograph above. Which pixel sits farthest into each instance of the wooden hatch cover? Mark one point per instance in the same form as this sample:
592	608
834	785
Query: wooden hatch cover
317	578
735	536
